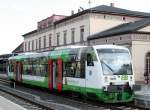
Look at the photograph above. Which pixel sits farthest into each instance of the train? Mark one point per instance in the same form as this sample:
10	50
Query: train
99	72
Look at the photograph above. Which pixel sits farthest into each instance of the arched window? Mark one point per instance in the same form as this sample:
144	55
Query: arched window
147	66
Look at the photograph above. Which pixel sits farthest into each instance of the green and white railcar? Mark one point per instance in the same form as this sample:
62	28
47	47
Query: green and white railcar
102	72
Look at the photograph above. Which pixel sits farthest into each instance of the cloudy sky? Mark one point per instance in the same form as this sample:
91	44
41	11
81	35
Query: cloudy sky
18	17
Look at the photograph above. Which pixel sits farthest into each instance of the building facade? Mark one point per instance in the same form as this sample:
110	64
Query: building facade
82	27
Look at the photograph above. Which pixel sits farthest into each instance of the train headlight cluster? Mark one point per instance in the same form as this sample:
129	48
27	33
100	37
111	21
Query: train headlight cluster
131	78
106	79
104	88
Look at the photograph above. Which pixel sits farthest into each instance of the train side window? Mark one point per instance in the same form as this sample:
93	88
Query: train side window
78	70
27	67
90	60
82	69
69	70
11	67
57	70
46	69
43	67
73	69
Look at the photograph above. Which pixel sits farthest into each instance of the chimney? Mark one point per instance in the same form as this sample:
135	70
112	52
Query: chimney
72	12
112	4
79	10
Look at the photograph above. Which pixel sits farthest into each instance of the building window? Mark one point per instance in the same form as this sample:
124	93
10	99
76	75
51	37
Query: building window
40	43
81	33
120	38
25	46
58	36
65	35
50	40
36	44
44	41
29	46
104	16
124	18
147	69
72	35
32	44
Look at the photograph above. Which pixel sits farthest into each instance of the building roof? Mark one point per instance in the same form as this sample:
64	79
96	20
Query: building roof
108	10
19	49
120	11
31	32
104	10
122	29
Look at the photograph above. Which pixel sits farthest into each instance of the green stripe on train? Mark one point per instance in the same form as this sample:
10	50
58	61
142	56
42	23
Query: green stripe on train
37	83
100	94
93	93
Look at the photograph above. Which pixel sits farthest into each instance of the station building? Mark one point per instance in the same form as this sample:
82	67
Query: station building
4	59
4	62
98	25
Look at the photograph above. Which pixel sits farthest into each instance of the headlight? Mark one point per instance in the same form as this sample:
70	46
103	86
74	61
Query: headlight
104	88
106	79
130	78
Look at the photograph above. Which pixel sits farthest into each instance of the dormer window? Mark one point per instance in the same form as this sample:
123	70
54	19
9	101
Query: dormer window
104	16
120	38
124	18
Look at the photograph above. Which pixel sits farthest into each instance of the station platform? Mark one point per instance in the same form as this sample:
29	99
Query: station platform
3	75
142	96
6	104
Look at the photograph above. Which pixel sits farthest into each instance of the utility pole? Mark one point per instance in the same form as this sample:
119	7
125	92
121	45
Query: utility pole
89	2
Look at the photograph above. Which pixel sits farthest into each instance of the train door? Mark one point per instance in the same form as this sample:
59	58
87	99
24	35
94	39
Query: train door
50	76
18	71
90	73
59	72
55	74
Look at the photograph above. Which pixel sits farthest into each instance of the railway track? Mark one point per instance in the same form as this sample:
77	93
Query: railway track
22	102
4	80
73	99
21	98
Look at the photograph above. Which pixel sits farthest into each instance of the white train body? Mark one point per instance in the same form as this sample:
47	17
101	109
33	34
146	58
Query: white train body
101	71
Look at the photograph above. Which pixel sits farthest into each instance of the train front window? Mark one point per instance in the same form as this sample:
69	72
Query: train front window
115	61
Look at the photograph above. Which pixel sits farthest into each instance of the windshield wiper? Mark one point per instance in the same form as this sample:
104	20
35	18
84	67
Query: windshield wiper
107	66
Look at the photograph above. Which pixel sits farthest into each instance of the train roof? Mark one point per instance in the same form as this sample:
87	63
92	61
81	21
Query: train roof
70	47
23	55
109	46
61	51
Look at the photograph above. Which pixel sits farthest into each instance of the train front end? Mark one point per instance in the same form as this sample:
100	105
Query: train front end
117	74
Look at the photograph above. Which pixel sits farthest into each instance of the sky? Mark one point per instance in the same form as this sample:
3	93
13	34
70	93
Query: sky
18	17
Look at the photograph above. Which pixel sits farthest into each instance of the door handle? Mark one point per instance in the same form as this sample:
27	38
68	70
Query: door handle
90	72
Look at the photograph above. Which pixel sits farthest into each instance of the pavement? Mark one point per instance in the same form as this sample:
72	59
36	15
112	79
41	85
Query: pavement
3	75
6	104
142	96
